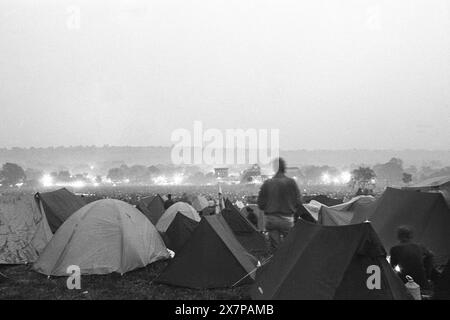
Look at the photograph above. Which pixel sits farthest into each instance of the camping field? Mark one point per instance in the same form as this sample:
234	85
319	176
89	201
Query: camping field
20	282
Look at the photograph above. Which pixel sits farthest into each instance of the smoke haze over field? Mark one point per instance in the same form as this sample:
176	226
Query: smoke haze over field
330	75
79	158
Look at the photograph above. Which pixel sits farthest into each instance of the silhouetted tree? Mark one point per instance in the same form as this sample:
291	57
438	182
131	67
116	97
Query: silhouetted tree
407	178
64	176
116	174
12	174
390	172
362	177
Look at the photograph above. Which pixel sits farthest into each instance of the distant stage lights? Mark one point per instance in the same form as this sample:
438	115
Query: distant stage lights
47	180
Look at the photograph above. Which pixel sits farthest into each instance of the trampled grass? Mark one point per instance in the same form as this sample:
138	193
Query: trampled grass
21	282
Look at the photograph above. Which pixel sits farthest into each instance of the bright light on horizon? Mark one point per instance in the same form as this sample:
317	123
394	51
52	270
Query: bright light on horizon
160	180
47	180
178	179
345	177
340	179
326	178
78	184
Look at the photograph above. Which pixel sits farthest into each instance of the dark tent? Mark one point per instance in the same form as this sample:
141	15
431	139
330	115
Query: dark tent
323	262
323	199
442	289
247	234
333	217
179	232
257	213
229	204
426	213
58	205
212	258
152	207
208	211
304	214
355	211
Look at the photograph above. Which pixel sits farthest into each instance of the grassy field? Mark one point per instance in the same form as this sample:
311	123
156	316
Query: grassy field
20	282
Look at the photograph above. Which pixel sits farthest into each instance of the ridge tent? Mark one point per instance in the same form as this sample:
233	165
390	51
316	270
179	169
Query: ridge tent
24	230
246	233
326	262
228	204
431	183
102	237
437	184
426	213
313	208
152	207
357	210
58	205
212	258
179	232
305	214
168	216
199	203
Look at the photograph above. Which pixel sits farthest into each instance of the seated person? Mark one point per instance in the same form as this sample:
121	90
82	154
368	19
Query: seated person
413	259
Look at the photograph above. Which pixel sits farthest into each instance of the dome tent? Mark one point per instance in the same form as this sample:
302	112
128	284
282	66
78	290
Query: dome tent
102	237
168	216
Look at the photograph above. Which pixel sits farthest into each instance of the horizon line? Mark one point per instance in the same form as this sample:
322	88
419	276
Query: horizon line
167	146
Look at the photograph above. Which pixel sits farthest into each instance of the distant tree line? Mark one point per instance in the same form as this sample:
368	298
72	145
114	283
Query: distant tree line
391	173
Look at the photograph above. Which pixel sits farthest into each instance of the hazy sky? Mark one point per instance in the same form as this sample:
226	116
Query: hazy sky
328	74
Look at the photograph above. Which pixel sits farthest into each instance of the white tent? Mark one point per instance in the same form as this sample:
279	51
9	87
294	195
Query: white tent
24	230
313	208
102	237
168	216
199	203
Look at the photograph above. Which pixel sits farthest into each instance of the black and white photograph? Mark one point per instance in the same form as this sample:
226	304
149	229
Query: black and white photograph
219	156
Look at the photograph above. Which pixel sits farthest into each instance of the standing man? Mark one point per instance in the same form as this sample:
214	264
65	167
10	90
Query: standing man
279	198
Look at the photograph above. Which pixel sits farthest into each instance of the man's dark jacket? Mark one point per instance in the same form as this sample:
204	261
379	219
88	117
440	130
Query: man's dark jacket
279	195
414	260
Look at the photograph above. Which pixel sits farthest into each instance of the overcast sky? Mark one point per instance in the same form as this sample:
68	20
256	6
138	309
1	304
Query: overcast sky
328	74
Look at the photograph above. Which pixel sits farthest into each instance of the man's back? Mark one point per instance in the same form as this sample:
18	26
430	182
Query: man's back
410	258
279	195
